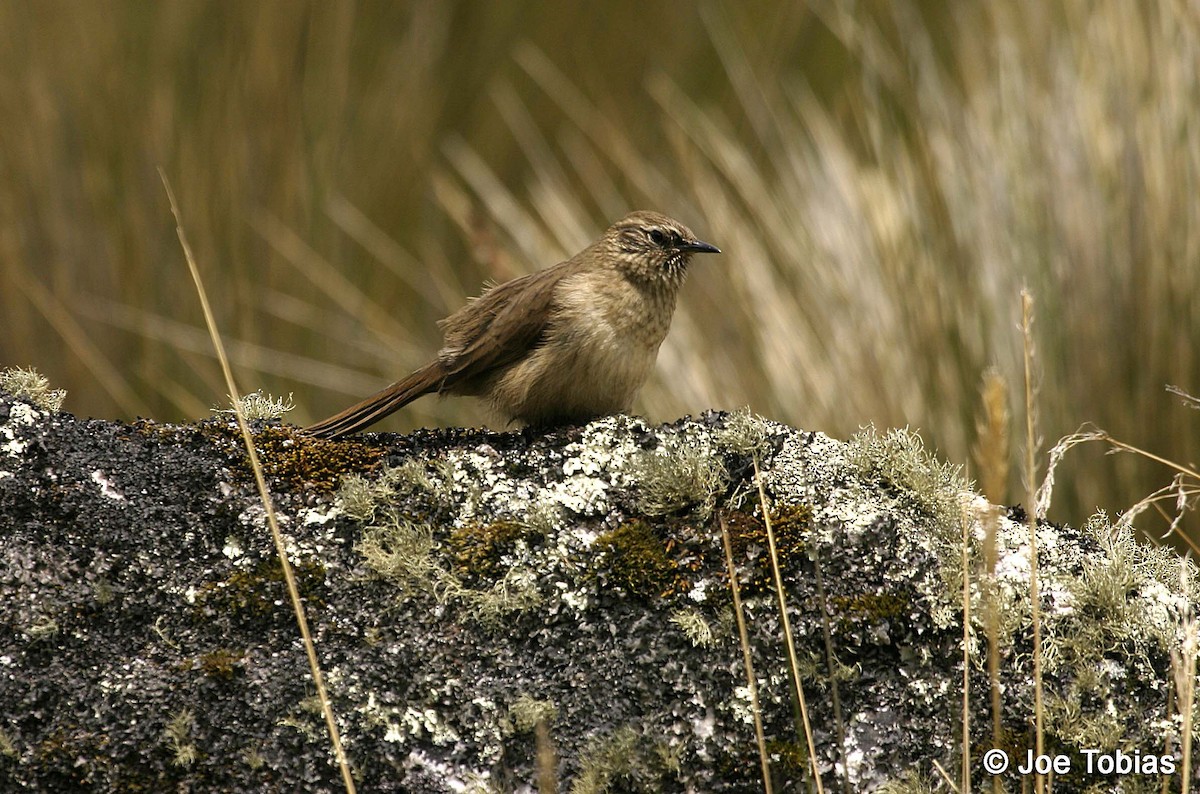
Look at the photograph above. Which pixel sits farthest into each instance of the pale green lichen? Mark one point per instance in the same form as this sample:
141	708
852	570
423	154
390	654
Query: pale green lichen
42	628
684	478
628	758
405	554
910	782
359	497
8	747
899	457
694	627
1121	614
257	405
253	758
527	711
177	734
27	384
744	433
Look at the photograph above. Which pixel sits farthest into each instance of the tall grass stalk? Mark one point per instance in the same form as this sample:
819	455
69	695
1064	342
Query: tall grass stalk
786	624
1031	445
268	505
1183	664
992	459
747	657
831	663
967	523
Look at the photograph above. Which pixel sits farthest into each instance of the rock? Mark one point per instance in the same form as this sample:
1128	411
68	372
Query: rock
465	587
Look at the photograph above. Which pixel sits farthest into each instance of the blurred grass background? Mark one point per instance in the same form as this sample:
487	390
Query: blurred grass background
884	177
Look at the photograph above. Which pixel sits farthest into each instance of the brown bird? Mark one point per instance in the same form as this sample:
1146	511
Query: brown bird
560	346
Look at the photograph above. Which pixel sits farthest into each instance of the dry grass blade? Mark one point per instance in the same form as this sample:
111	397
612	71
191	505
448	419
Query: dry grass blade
108	375
1189	400
966	680
1183	663
793	662
945	776
1183	490
831	665
288	574
546	758
992	456
248	355
355	223
1031	444
347	295
747	660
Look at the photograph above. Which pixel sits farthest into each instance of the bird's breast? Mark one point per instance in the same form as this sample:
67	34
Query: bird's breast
598	350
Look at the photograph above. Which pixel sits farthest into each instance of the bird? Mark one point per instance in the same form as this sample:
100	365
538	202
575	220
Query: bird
560	346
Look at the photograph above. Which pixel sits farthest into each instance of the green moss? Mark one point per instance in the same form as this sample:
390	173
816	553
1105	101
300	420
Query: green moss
748	538
221	663
868	607
788	758
302	462
625	760
477	550
638	561
527	711
253	593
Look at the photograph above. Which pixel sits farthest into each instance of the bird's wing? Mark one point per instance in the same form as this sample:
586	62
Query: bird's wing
499	326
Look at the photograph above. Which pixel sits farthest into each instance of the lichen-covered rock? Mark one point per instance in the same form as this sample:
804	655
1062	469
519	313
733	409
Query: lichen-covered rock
470	590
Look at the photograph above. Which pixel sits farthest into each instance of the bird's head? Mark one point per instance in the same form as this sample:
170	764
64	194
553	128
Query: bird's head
654	248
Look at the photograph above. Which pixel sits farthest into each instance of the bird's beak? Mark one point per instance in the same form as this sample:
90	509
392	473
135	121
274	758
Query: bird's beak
699	247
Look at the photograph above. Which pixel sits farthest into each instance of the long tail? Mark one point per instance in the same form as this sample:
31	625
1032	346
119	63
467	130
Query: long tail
380	404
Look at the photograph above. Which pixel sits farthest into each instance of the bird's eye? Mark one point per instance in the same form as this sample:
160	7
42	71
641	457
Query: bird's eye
657	237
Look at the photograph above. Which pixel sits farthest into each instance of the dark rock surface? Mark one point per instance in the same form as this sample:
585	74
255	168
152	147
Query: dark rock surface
470	583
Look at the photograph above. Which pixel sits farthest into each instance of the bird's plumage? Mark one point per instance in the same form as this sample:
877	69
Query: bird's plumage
567	343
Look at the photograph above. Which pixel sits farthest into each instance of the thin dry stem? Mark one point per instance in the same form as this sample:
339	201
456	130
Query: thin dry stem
966	682
945	775
747	660
1184	666
793	663
1030	479
830	663
991	453
1180	491
288	574
546	758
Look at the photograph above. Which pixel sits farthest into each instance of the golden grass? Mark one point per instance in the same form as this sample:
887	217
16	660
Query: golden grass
992	460
1031	453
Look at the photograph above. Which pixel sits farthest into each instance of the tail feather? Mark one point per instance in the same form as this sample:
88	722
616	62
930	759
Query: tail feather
380	404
